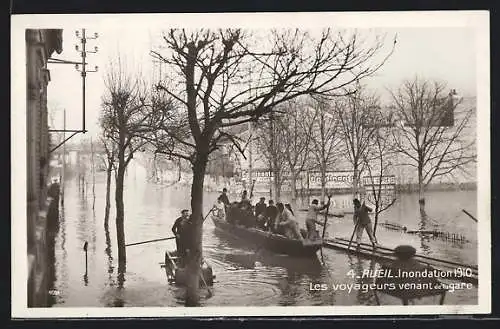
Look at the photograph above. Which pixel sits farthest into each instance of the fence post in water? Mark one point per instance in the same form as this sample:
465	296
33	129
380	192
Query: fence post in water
85	247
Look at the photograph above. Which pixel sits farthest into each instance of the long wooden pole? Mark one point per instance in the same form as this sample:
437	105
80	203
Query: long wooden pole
468	214
148	241
326	216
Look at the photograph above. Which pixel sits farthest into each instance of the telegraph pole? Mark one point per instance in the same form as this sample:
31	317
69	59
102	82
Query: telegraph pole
81	66
83	40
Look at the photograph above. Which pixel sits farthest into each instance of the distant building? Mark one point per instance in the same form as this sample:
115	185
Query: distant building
40	45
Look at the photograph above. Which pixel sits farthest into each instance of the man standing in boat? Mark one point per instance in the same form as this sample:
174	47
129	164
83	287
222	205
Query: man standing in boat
180	231
288	223
362	222
223	197
312	219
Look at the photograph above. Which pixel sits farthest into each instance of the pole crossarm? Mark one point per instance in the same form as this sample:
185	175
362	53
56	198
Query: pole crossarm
62	61
64	141
67	131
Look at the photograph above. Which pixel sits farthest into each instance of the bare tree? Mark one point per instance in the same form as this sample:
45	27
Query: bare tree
270	141
211	81
109	163
297	130
379	163
354	113
432	130
326	139
125	120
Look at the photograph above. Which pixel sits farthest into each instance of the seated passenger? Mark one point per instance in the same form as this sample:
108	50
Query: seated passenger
247	219
220	208
233	213
271	214
260	213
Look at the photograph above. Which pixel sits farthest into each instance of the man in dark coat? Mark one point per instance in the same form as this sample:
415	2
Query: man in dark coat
260	213
271	213
223	197
180	230
362	222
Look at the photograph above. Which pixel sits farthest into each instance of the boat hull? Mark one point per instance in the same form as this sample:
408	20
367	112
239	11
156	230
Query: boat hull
274	242
178	275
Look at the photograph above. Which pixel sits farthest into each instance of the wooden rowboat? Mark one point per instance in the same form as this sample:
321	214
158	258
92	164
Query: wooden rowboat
177	274
268	240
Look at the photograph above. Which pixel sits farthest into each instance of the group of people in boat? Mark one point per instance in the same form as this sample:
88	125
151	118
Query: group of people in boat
280	218
277	218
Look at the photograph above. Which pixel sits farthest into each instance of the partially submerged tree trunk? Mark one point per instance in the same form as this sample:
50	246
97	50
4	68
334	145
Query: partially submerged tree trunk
109	171
293	183
195	243
120	211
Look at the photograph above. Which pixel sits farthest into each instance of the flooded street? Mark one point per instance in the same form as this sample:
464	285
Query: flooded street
245	275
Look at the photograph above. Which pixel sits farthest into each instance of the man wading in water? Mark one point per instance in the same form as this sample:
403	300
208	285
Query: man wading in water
362	222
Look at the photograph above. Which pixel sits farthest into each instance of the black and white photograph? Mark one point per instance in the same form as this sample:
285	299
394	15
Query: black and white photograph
250	164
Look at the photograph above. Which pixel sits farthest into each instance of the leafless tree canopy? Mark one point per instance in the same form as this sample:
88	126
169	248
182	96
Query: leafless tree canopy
356	114
232	76
430	147
126	114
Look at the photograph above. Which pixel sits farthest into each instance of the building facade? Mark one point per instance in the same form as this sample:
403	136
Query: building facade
40	45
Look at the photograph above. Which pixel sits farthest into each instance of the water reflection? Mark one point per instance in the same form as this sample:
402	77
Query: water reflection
363	275
424	226
246	274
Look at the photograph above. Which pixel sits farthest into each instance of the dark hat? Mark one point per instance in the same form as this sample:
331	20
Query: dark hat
184	210
315	201
224	189
356	201
404	252
262	198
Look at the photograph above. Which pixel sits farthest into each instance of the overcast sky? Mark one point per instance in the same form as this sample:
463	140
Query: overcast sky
444	53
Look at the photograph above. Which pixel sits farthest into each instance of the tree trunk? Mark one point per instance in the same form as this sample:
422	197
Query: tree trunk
109	171
421	189
120	212
194	256
376	220
323	181
355	182
277	185
293	182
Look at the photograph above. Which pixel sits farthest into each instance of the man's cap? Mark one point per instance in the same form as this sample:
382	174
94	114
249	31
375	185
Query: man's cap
224	189
404	252
184	210
315	201
262	198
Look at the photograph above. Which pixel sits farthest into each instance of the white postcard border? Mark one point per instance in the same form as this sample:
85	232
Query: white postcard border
475	19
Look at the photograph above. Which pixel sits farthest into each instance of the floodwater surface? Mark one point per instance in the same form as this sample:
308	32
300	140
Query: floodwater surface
245	275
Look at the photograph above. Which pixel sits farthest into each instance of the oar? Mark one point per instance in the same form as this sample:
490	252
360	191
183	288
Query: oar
210	293
468	214
326	217
213	208
148	241
324	227
353	232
